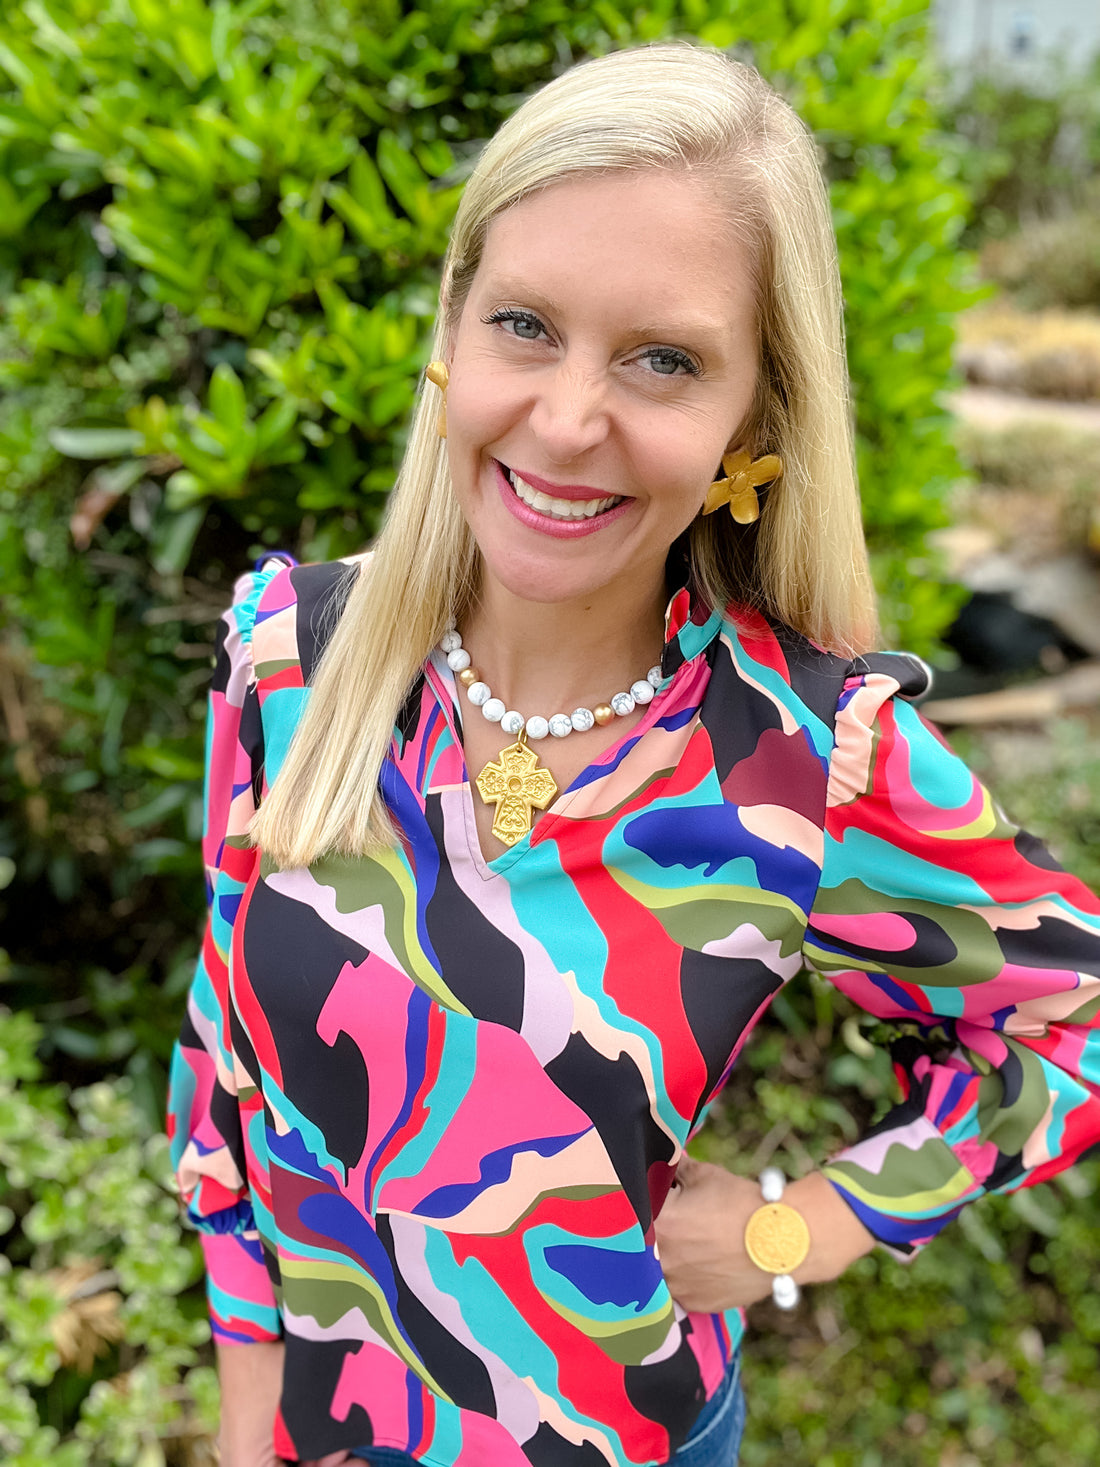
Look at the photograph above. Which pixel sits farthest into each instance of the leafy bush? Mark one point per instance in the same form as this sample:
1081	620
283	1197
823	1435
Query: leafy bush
98	1337
1055	461
1034	495
1026	153
220	228
1046	354
1053	263
218	257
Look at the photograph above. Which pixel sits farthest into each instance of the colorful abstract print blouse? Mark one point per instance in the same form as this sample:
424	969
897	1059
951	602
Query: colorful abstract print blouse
425	1106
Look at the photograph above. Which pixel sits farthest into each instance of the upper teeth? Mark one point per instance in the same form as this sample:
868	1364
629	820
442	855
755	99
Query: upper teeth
560	509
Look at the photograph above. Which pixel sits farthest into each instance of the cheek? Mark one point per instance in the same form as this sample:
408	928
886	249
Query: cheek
481	409
681	470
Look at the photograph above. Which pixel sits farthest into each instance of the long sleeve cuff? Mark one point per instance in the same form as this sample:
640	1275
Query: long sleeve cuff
904	1183
242	1303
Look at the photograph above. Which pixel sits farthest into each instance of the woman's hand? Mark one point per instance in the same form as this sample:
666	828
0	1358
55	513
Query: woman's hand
701	1236
251	1381
700	1239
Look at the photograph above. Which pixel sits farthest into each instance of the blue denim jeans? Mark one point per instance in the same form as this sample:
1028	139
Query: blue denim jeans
714	1442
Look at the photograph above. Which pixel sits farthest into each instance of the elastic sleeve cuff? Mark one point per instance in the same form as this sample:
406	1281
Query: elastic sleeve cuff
243	1309
905	1184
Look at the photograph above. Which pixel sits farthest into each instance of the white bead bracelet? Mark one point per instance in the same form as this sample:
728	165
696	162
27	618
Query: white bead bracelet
777	1238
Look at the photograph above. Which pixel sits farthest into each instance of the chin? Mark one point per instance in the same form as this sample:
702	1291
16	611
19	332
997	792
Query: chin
553	572
531	579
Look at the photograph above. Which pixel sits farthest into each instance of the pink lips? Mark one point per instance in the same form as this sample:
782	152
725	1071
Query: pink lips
557	529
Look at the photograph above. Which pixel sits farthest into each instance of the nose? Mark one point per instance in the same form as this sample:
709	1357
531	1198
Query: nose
571	411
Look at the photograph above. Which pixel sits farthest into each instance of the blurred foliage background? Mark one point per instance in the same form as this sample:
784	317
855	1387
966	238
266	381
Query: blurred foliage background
220	228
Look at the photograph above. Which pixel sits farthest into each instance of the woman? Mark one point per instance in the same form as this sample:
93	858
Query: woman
498	932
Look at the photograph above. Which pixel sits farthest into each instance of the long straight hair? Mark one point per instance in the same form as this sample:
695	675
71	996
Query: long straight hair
675	107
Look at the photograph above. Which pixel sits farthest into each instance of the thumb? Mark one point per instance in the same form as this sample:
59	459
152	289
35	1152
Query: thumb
687	1171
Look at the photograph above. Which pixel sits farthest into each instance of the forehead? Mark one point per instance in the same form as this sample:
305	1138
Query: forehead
622	240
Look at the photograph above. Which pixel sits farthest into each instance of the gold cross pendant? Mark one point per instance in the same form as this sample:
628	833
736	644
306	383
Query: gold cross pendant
516	784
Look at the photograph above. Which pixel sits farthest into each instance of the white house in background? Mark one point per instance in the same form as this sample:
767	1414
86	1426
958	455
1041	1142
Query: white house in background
1011	38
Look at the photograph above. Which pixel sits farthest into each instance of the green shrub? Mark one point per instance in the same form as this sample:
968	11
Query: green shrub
220	228
98	1335
1026	153
1055	262
218	252
1038	353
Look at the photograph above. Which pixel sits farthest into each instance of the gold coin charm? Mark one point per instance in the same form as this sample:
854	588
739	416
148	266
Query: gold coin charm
777	1238
516	784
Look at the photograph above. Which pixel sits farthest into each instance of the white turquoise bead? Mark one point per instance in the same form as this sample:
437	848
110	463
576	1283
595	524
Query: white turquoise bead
772	1183
559	725
785	1291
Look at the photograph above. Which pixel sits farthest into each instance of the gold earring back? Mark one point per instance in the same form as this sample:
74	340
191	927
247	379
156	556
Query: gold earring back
439	374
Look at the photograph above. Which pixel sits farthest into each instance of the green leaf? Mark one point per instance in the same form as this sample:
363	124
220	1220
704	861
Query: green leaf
227	399
276	421
384	404
404	177
96	442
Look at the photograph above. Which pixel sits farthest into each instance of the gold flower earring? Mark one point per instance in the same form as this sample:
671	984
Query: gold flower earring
438	373
743	476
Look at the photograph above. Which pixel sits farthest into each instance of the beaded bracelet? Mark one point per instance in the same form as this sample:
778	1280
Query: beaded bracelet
777	1238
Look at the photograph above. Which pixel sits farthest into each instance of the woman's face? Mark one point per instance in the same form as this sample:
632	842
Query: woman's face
603	361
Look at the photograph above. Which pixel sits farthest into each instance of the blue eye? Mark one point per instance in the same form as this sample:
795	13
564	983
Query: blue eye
525	326
666	361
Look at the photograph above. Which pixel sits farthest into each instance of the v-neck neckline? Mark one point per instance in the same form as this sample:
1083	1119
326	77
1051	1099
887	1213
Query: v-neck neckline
687	637
442	682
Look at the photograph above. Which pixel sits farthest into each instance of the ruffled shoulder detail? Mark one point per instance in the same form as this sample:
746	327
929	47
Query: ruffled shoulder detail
910	674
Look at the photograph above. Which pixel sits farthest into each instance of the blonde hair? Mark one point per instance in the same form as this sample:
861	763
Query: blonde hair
673	107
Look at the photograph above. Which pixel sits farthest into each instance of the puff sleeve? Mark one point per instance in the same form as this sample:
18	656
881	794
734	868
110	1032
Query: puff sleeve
935	913
212	1098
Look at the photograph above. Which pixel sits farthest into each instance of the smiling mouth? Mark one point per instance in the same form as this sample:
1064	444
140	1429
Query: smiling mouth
558	509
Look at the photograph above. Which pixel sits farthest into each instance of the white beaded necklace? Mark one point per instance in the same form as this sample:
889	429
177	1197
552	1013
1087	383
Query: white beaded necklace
515	782
559	725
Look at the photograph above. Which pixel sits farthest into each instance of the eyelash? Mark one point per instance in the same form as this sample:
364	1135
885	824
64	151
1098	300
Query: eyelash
671	354
655	353
497	318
